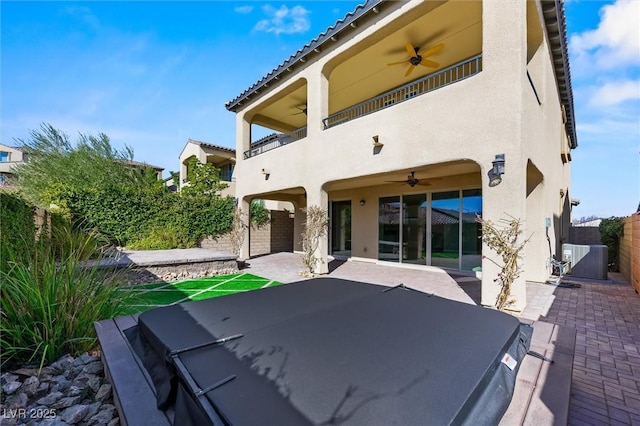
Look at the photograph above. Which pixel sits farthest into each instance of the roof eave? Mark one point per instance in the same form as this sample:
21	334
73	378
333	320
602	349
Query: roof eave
555	23
314	45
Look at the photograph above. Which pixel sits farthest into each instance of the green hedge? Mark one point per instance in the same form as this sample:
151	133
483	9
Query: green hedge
611	231
146	218
17	229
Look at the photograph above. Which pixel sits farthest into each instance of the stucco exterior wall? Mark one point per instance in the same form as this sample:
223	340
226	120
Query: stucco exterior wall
493	112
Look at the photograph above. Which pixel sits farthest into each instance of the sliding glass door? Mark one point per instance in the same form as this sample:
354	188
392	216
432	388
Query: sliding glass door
341	228
437	229
414	229
445	229
389	229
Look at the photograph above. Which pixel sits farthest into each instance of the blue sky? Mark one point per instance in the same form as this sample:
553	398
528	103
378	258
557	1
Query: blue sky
154	74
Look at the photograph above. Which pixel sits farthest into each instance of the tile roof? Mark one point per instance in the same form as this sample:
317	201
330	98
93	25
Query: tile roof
555	24
210	145
315	44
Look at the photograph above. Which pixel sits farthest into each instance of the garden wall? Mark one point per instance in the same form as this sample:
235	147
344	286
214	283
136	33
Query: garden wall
584	235
276	236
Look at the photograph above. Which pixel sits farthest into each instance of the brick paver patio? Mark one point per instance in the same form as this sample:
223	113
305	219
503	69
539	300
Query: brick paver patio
605	315
606	370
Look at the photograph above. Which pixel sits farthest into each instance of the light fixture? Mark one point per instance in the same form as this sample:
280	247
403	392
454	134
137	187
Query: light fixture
362	202
376	141
495	174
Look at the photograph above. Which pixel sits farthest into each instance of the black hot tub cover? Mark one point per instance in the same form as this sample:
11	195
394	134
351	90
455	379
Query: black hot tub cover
331	351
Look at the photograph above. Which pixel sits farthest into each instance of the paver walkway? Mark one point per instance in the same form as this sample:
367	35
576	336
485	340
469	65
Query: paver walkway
606	316
606	369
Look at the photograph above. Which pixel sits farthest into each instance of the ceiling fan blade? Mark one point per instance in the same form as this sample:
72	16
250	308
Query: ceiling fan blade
432	50
395	181
429	63
409	70
421	183
397	63
410	50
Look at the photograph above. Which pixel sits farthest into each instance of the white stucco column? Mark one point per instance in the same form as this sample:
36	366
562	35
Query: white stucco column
317	101
502	203
243	135
244	204
318	197
299	219
504	58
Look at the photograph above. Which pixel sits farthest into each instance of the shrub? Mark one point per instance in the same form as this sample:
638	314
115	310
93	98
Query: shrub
259	213
314	229
17	229
505	240
50	303
160	239
611	231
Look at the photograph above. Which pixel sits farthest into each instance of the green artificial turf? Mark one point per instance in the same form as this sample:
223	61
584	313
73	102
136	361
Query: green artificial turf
149	296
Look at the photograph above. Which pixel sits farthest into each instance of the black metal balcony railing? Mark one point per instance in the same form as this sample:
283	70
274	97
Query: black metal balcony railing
274	141
431	82
426	84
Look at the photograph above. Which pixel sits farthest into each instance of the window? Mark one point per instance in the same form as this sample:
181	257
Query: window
4	156
226	172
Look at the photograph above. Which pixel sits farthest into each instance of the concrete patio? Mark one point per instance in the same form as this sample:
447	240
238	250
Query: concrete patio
605	314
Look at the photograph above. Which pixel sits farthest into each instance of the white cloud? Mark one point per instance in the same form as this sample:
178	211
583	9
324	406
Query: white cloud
615	92
243	9
284	20
616	41
84	15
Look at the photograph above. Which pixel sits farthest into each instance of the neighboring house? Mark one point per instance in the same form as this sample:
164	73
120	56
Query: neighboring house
403	156
222	158
144	166
10	156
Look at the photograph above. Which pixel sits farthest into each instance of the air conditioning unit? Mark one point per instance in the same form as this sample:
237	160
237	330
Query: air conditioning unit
586	261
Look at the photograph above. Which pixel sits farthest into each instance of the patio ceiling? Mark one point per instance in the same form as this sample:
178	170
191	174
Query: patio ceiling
362	71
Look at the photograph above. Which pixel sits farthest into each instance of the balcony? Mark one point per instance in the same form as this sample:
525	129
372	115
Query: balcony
429	83
273	141
452	74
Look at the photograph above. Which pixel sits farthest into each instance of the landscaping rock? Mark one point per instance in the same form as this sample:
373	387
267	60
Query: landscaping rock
50	399
77	394
30	386
93	368
63	363
8	378
74	414
11	387
104	392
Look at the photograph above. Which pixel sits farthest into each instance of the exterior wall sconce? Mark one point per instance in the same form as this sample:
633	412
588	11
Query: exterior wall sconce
376	141
266	173
495	174
362	202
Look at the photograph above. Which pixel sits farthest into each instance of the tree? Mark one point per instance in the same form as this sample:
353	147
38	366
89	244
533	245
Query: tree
56	165
204	179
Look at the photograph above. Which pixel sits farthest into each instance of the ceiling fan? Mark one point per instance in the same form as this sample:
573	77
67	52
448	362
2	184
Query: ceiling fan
416	57
302	109
412	180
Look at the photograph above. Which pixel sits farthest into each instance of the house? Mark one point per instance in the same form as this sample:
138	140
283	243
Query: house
10	156
142	167
222	158
405	120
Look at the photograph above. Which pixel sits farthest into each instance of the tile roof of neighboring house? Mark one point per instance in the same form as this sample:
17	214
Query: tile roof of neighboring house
138	163
210	145
553	11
